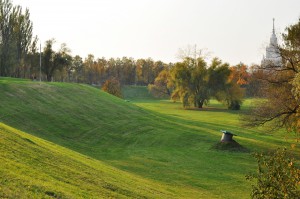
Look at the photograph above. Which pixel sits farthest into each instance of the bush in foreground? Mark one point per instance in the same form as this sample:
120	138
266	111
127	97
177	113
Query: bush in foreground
276	177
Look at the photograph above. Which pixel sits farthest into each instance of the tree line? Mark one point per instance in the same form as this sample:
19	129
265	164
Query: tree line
193	80
61	66
20	56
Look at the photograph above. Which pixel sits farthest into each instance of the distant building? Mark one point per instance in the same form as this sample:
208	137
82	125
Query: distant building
272	58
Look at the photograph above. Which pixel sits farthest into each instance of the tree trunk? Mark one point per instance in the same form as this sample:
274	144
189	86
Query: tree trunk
200	103
49	78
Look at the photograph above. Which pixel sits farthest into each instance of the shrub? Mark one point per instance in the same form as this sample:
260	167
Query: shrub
276	177
112	86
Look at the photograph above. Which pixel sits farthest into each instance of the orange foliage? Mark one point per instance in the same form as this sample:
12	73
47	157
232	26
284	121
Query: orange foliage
113	87
239	74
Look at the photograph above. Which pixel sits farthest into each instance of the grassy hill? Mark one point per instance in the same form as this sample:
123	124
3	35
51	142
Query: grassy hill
155	140
35	168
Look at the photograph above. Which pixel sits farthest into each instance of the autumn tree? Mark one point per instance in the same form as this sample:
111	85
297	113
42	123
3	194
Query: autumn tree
239	74
281	87
89	74
112	86
163	85
128	71
123	69
237	83
144	71
96	70
254	82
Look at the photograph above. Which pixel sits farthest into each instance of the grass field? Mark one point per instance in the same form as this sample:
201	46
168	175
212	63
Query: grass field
35	168
143	139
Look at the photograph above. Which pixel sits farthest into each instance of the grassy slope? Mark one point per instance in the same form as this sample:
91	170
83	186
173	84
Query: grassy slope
35	168
156	140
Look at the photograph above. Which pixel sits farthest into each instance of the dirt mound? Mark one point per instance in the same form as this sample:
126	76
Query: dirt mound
230	146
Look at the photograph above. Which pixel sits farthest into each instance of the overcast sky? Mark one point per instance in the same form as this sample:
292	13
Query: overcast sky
233	30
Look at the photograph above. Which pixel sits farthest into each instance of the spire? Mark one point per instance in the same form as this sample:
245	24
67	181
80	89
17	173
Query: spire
273	26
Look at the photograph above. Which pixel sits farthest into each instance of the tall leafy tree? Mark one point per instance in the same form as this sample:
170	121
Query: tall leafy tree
199	84
254	82
195	83
78	69
128	71
6	28
48	60
190	79
23	37
32	59
63	61
53	61
89	67
145	73
218	79
225	83
15	38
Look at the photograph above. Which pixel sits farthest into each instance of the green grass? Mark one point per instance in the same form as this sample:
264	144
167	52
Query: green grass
136	93
35	168
156	140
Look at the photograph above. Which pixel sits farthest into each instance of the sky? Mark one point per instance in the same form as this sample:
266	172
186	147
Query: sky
233	30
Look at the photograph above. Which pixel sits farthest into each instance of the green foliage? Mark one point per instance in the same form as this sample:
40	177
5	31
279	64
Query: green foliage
53	61
16	35
191	82
112	86
292	38
195	83
234	96
296	86
163	85
276	177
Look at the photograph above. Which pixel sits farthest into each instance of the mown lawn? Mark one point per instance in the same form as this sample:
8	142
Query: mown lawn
34	168
156	140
